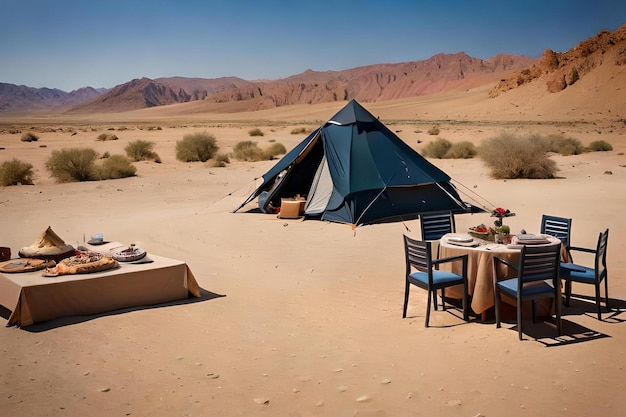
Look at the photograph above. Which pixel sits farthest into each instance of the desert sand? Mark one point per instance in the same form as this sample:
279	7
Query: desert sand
304	318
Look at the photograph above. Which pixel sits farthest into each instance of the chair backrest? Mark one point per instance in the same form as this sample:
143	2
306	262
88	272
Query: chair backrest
418	255
559	227
538	263
436	224
603	240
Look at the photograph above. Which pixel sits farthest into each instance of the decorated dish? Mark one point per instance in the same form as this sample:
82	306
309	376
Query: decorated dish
131	254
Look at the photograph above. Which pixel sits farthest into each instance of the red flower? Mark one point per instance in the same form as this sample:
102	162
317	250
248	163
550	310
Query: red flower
501	211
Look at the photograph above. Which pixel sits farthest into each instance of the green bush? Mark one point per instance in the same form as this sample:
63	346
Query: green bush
433	130
461	150
107	136
248	151
29	137
437	149
141	150
199	146
510	156
16	172
74	164
117	166
599	146
256	132
274	150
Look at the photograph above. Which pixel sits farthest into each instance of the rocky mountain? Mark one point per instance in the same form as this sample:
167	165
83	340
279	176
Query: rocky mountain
561	70
20	97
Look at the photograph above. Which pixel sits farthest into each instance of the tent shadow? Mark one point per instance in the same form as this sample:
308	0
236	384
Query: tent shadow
70	320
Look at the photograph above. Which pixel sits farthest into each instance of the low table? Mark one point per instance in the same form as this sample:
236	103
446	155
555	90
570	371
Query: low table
33	298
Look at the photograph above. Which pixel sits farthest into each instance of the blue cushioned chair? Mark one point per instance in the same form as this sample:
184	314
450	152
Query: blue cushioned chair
559	227
537	278
578	273
420	272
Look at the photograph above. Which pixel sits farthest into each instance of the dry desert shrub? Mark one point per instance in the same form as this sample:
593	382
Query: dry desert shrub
199	146
510	156
437	148
461	150
599	146
141	150
565	146
274	150
16	172
248	151
256	132
107	136
29	137
433	130
117	166
221	160
300	130
73	164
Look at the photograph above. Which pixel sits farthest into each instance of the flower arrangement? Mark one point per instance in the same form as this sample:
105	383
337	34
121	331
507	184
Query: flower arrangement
501	213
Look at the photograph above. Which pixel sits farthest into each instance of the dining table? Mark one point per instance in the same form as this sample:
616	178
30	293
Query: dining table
32	297
480	265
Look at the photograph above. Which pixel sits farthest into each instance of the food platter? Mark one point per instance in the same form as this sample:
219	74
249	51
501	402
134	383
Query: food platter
130	254
25	265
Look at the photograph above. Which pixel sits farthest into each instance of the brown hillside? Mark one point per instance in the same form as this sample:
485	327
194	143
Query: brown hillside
558	71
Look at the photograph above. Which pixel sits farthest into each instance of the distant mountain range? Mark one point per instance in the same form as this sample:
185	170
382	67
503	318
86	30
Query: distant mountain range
380	82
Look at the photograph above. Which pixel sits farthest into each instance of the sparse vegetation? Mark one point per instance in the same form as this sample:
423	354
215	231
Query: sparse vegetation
433	130
274	150
73	164
510	156
461	150
437	148
565	146
300	131
141	150
248	151
117	166
16	172
199	146
29	137
256	132
221	160
107	136
599	146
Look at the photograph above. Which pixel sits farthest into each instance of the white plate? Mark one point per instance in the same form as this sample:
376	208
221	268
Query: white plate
460	239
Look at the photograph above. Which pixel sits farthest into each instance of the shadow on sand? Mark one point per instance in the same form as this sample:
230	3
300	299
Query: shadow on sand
67	321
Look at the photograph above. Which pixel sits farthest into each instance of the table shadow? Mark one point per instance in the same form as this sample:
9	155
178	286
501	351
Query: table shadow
70	320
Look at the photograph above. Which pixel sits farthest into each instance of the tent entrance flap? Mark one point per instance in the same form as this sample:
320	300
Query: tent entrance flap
321	190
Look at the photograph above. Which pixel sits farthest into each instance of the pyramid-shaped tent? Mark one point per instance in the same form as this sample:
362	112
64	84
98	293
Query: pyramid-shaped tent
354	170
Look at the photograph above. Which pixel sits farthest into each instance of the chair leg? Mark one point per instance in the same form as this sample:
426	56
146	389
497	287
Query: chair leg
534	312
519	317
557	311
598	306
443	299
430	294
406	299
606	294
435	300
568	291
465	302
497	308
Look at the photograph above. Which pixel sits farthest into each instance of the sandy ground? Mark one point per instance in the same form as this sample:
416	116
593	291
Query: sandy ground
309	318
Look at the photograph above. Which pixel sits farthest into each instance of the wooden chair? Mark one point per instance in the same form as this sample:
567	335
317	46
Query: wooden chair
421	272
571	272
537	278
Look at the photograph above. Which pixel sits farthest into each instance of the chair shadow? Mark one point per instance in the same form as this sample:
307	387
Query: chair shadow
586	305
544	331
70	320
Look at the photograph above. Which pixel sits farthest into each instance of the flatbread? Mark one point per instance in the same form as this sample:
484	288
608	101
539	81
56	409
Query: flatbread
84	263
25	265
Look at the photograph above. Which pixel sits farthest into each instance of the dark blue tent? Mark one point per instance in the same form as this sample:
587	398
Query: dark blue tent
354	170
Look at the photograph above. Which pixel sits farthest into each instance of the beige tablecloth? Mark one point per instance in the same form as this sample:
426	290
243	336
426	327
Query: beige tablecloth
480	268
33	298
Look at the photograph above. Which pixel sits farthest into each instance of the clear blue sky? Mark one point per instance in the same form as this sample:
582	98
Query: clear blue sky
69	44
